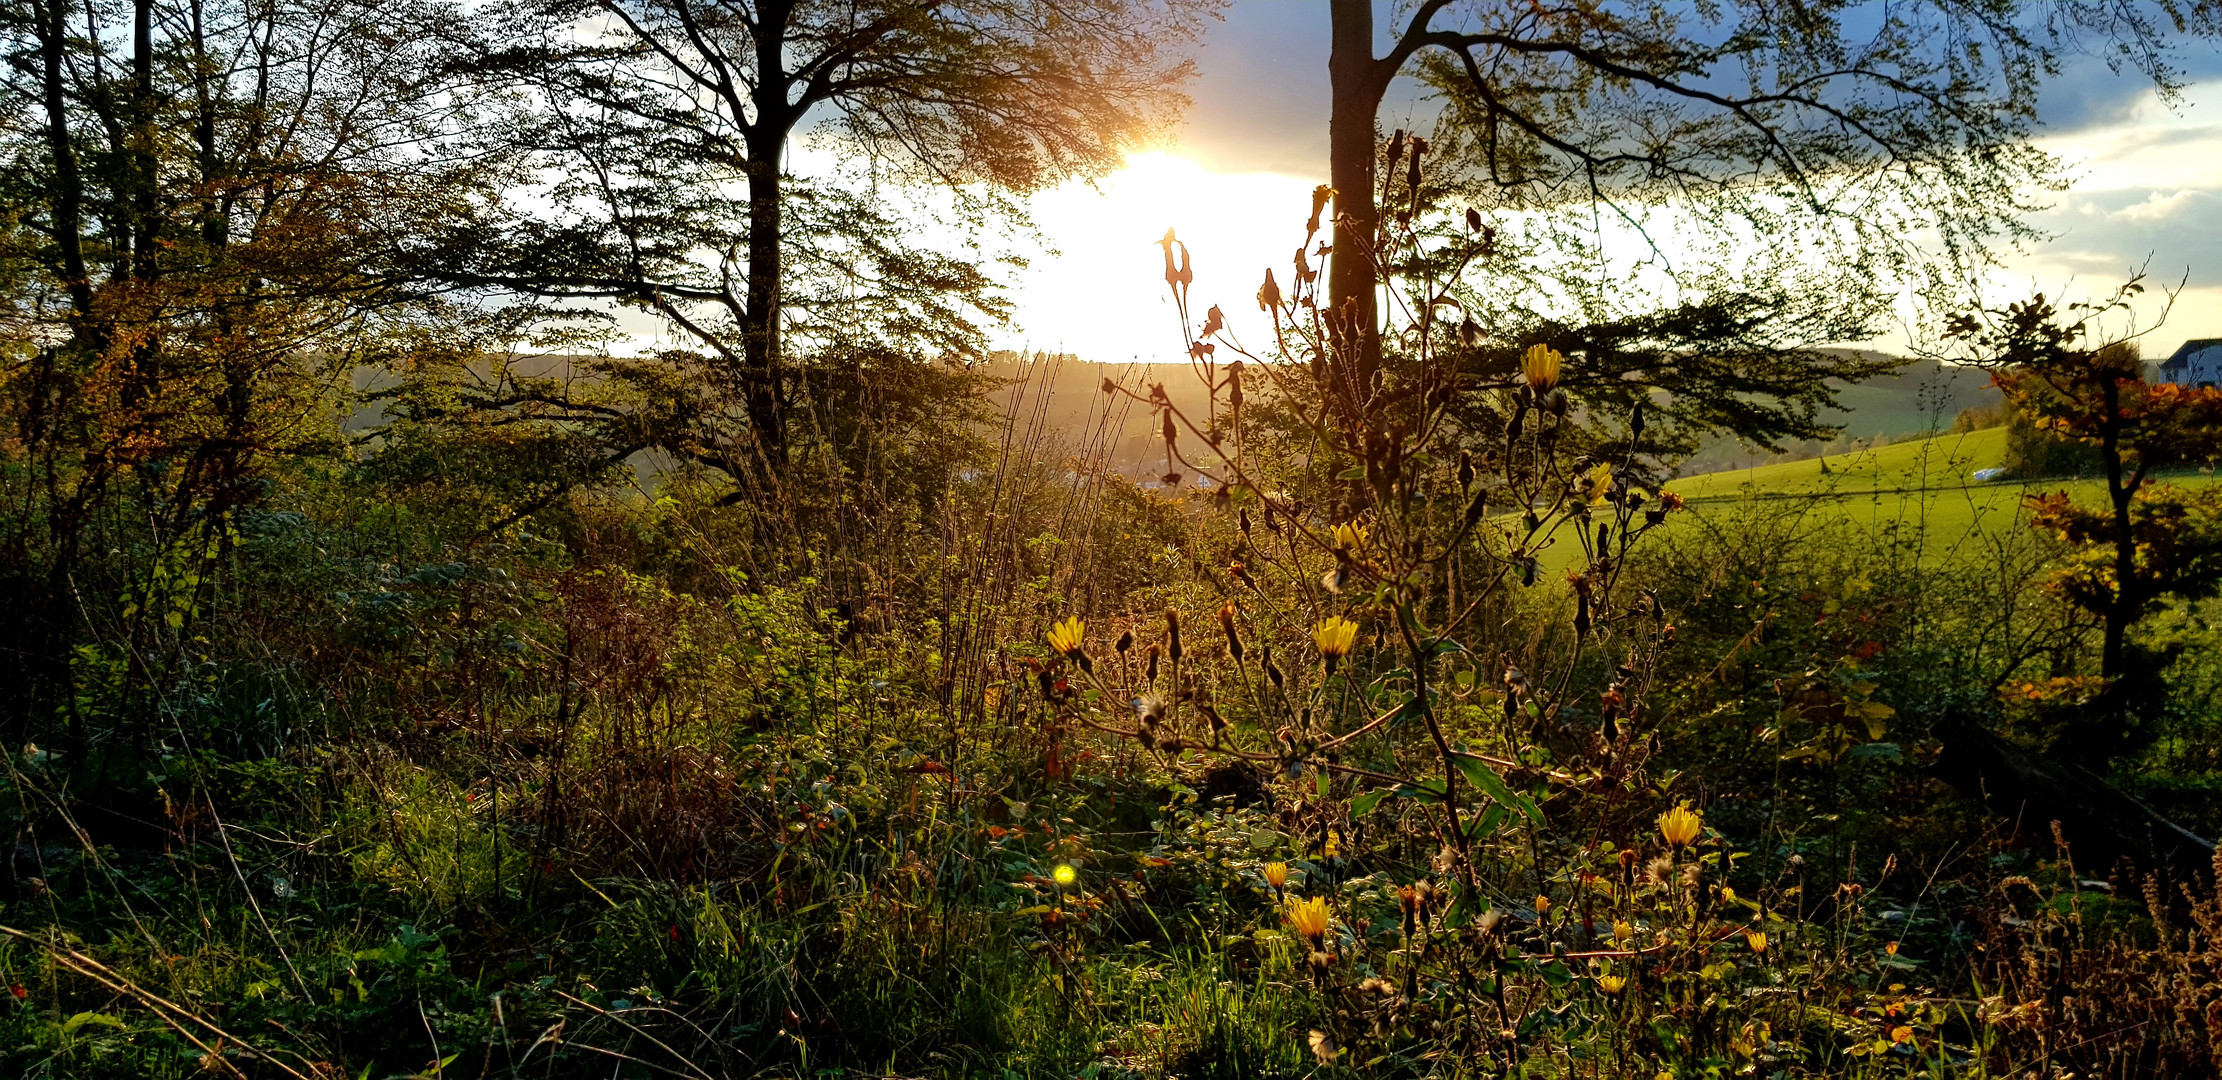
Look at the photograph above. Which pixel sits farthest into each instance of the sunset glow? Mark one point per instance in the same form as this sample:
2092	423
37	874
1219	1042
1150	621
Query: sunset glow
1102	292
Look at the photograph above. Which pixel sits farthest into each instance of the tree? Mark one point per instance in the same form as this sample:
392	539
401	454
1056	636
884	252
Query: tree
667	124
2150	540
1744	119
198	233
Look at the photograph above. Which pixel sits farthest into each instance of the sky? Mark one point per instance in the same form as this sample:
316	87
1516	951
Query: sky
1235	183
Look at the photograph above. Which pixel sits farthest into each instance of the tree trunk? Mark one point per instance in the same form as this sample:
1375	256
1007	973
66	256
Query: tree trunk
1357	84
760	345
766	141
141	169
69	196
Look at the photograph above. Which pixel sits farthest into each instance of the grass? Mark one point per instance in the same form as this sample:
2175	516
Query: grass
1923	490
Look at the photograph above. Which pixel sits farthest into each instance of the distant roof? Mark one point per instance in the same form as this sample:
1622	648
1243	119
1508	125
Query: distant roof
2183	353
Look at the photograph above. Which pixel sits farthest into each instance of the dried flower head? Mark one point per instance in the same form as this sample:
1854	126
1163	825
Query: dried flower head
1680	826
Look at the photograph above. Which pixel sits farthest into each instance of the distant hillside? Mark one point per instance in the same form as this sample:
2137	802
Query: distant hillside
1920	399
1056	401
1062	396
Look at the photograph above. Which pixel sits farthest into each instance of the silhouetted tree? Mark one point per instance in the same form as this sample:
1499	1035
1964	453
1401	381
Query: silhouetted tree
664	125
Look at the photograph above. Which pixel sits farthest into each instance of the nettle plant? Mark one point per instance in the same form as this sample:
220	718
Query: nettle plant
1455	760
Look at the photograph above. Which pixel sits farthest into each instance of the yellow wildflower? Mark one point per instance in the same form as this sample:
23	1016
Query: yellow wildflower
1065	636
1064	874
1309	918
1351	536
1335	636
1611	984
1275	874
1757	939
1599	483
1680	826
1623	931
1540	367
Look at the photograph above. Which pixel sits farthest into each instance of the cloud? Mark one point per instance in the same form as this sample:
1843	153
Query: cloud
2158	207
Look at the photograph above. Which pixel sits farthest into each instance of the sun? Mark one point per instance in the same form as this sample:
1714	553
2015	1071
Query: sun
1097	287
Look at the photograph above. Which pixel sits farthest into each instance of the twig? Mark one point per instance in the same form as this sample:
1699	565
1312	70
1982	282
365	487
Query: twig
636	1029
299	983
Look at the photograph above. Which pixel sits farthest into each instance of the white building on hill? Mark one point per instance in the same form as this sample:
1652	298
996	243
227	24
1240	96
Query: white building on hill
2198	363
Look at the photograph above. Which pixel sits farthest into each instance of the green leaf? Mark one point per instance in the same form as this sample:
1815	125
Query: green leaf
1460	912
1485	779
1364	804
1488	823
1320	783
70	1026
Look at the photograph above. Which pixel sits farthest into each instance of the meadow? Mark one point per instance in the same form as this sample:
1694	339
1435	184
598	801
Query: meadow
1919	488
520	561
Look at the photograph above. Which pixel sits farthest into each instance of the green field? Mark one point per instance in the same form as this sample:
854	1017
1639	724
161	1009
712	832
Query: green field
1923	490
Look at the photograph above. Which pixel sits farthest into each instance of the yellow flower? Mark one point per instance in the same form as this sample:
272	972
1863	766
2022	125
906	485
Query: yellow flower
1599	483
1623	932
1309	918
1611	984
1901	1034
1757	939
1334	637
1276	874
1680	826
1540	366
1064	874
1065	636
1351	536
1542	905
